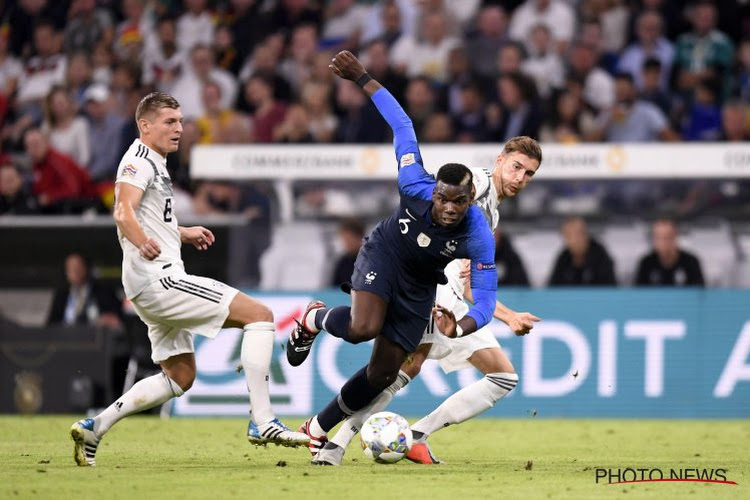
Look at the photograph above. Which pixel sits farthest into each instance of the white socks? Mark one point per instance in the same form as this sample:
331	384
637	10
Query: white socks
147	393
468	402
353	424
257	350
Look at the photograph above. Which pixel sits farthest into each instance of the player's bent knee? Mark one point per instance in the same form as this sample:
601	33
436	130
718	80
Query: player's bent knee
265	314
362	332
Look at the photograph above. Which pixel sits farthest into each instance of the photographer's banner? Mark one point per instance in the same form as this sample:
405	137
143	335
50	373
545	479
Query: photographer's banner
597	353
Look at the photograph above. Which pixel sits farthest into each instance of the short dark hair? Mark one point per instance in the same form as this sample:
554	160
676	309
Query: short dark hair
154	102
455	174
625	76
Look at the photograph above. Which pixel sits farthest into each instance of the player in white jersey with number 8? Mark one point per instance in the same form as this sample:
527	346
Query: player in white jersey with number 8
173	304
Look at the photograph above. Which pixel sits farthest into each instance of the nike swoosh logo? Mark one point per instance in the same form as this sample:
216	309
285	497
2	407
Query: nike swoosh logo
302	349
410	215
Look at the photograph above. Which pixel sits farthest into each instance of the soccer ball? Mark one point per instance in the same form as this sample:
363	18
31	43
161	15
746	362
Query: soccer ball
385	437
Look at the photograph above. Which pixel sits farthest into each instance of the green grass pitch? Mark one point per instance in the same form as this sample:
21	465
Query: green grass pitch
144	457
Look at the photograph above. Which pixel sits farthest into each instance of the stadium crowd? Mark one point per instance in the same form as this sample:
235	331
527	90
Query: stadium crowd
256	71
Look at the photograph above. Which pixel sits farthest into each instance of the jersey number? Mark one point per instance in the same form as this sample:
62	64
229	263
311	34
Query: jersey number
404	225
168	210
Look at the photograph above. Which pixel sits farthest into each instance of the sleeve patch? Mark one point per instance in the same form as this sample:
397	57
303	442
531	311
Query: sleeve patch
129	170
485	265
408	159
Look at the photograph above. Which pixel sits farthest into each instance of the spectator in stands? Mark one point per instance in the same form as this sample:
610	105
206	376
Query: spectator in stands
343	25
510	269
268	112
469	123
295	128
316	98
297	67
78	77
632	119
289	14
101	65
564	124
60	185
667	264
132	32
378	64
15	194
584	261
734	122
87	26
742	70
704	117
11	68
358	121
163	63
427	55
520	112
24	16
227	57
598	85
421	102
389	20
83	300
439	129
704	51
220	125
510	58
651	89
195	26
106	134
42	71
202	68
350	235
651	44
246	25
543	64
557	15
67	132
610	19
492	23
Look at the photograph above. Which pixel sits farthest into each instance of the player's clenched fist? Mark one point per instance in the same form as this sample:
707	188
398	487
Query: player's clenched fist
149	249
345	65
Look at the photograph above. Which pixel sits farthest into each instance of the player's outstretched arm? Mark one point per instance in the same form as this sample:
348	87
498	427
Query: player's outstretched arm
127	197
346	66
520	323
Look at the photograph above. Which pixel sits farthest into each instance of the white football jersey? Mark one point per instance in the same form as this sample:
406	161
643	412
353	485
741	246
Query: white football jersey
486	195
144	168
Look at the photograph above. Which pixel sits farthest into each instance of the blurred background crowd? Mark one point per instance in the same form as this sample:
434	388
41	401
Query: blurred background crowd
466	71
256	71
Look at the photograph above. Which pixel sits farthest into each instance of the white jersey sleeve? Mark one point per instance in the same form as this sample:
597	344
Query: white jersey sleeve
145	169
451	295
486	195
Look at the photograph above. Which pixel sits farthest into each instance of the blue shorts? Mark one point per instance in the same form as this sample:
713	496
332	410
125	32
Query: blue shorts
409	302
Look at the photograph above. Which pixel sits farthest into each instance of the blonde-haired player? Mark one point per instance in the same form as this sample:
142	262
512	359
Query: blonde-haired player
514	169
173	304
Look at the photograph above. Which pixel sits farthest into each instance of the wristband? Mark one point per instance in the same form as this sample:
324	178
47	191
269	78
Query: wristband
362	80
459	331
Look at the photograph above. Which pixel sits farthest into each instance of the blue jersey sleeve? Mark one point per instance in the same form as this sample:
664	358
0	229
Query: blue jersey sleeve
481	247
413	179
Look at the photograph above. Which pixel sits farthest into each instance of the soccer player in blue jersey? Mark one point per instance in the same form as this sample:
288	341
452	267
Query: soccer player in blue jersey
399	266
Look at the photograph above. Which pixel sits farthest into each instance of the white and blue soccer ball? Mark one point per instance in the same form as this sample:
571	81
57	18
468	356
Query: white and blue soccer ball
385	437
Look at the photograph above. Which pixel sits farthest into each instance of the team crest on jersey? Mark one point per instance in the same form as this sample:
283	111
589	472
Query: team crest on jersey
450	247
129	170
408	159
423	240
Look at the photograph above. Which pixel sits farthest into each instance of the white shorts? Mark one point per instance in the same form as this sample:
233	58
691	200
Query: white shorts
454	354
179	306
